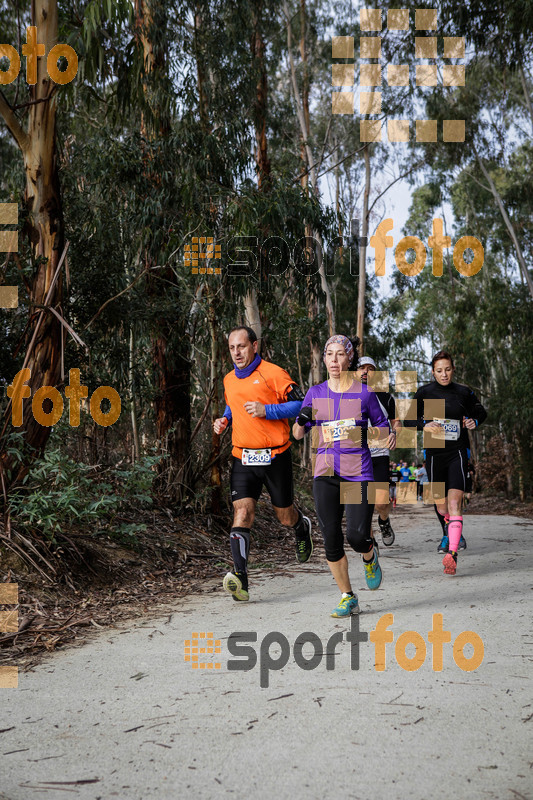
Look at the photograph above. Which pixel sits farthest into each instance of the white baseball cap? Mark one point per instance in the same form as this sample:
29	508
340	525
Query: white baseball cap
366	360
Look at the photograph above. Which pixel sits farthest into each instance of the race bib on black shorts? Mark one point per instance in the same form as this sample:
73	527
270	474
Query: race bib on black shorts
256	458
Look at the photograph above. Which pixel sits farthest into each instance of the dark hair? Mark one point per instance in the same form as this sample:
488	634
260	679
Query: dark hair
252	336
441	354
356	343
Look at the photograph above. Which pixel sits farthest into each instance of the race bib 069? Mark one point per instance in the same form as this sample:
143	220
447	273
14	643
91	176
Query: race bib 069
452	428
337	430
256	458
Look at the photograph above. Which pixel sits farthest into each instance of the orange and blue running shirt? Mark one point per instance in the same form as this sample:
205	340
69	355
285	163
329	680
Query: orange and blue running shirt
268	384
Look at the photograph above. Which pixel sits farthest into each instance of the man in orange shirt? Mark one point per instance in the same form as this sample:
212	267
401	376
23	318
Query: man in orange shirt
260	398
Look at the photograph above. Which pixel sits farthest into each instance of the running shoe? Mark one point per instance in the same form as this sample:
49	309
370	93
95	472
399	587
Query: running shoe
450	563
444	544
373	574
304	547
348	605
387	534
462	543
236	583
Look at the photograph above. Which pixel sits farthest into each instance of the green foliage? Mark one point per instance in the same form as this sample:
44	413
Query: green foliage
63	496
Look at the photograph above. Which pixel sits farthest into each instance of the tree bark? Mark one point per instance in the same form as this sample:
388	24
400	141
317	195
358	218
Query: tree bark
261	98
44	228
172	403
215	481
303	116
362	253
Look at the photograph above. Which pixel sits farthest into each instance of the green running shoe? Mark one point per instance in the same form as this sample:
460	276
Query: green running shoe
348	605
304	547
373	574
236	583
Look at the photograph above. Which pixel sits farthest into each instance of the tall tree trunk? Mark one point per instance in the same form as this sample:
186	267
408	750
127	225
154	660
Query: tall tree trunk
131	380
362	253
305	91
172	404
44	227
251	314
261	98
215	481
303	116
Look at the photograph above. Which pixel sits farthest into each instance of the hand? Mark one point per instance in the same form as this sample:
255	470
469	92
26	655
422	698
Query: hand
220	424
468	422
391	444
305	415
255	409
433	427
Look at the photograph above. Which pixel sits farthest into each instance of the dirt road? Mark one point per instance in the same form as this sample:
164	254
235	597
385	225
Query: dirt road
126	716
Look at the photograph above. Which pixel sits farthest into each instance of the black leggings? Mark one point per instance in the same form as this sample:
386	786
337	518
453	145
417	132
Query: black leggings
330	512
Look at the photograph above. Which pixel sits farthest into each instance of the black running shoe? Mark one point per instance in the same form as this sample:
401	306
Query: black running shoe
462	543
387	534
304	547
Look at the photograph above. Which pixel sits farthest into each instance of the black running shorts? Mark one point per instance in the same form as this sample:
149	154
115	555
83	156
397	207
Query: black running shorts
449	468
380	465
276	478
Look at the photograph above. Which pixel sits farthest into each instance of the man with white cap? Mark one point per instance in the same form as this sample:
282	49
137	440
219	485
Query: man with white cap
380	452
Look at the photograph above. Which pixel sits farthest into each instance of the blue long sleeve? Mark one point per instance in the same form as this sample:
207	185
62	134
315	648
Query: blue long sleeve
283	410
227	413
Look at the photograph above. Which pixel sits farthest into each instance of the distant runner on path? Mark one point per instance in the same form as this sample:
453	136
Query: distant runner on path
260	398
381	452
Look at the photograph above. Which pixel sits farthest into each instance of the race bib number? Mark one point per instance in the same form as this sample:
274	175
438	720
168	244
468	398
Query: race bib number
256	458
452	429
337	430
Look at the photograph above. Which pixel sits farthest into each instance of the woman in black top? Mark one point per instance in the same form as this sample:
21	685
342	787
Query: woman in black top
446	411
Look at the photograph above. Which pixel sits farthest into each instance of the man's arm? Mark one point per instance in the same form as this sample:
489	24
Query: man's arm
220	424
290	408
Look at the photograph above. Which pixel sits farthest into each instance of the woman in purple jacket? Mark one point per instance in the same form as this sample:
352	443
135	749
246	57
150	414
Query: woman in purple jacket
339	413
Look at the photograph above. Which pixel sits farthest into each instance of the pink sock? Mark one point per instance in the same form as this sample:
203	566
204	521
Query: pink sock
455	529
